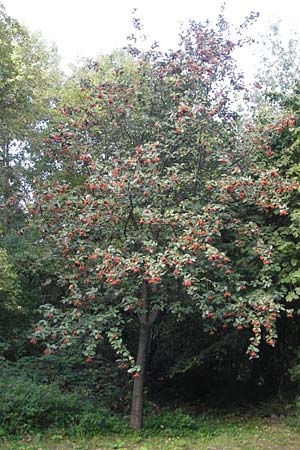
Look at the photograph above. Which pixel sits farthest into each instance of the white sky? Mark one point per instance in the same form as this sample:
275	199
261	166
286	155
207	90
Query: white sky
89	27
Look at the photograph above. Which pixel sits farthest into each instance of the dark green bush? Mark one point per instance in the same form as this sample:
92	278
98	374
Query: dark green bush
26	406
175	422
94	421
98	382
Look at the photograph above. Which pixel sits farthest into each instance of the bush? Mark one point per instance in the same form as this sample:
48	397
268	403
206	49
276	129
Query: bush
175	422
94	421
26	406
99	381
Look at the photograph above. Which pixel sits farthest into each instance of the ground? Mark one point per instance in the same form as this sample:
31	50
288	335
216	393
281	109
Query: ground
226	434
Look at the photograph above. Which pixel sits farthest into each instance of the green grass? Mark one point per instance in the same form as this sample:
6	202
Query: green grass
228	433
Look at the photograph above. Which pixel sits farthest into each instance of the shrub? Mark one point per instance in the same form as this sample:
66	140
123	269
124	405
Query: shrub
26	406
99	381
98	420
175	422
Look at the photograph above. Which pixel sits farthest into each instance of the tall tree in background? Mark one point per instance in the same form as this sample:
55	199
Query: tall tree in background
277	71
280	139
30	82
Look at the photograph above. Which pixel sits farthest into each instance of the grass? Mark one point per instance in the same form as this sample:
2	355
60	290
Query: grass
228	433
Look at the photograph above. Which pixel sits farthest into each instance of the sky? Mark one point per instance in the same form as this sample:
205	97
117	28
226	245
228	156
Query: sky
90	27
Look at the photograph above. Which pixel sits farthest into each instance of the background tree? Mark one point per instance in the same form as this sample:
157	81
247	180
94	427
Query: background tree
29	78
276	73
9	292
30	87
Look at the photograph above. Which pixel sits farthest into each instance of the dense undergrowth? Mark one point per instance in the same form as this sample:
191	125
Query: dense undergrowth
62	395
169	430
29	407
38	415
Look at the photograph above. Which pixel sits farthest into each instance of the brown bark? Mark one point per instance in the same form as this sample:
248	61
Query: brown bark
146	322
136	415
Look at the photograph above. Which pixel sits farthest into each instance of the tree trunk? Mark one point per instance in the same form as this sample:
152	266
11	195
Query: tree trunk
136	415
146	322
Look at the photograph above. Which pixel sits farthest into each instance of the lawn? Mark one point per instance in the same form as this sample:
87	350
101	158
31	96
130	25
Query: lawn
229	433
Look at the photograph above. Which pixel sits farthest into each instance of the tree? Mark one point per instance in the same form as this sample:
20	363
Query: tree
152	205
9	293
278	70
280	138
29	77
29	88
276	73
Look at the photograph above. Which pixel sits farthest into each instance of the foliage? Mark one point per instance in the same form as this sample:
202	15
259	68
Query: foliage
8	279
97	382
30	287
187	366
99	420
275	129
152	198
10	307
279	138
278	69
29	77
179	347
27	407
173	423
